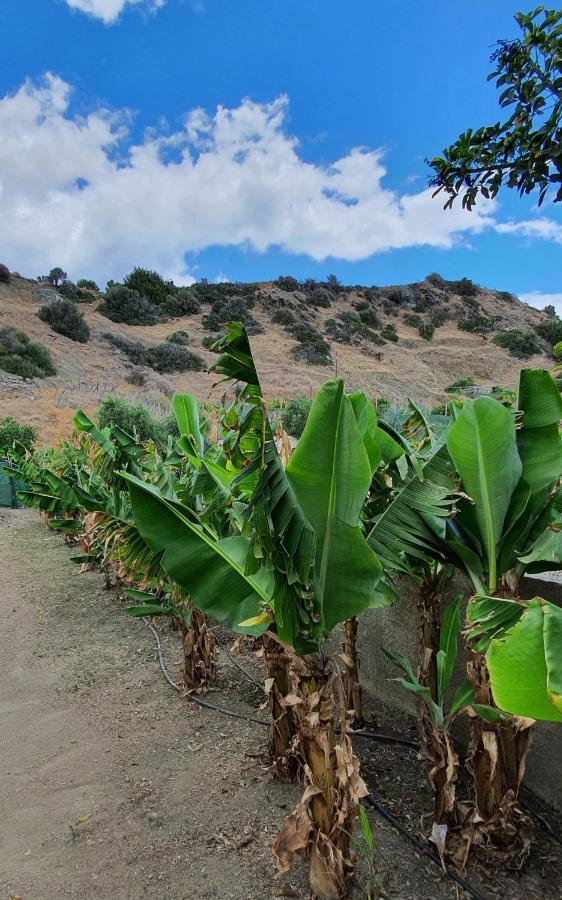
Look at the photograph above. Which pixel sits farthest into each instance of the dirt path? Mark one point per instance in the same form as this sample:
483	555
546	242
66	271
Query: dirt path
112	786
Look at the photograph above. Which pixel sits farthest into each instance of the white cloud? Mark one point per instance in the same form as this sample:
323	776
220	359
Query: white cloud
540	300
545	229
110	10
77	192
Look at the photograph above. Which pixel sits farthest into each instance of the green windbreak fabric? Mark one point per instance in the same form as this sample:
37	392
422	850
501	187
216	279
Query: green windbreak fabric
8	489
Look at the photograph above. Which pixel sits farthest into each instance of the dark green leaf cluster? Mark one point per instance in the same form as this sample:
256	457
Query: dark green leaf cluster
64	317
550	330
426	330
283	317
74	292
12	432
295	414
231	309
477	324
312	347
389	333
136	420
166	357
88	284
349	327
460	385
519	343
4	274
524	151
122	304
179	337
21	356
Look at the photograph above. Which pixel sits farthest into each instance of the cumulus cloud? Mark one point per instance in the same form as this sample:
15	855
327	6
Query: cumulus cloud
77	192
545	229
110	10
540	300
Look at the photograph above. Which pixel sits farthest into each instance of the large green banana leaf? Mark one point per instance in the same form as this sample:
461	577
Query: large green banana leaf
412	526
330	474
186	411
538	439
211	570
483	447
524	654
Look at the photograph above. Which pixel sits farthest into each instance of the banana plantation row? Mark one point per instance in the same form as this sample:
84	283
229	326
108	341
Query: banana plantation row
289	546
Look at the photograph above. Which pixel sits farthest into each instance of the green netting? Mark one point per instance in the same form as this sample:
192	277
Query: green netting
8	488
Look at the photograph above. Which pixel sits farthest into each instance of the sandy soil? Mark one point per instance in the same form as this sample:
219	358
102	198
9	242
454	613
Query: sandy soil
113	786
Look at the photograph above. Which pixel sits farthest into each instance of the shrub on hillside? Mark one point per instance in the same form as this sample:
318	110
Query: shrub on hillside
320	297
4	274
13	432
460	385
476	323
287	283
283	317
135	419
349	328
389	333
295	414
426	330
519	343
163	358
438	317
182	302
179	337
403	295
231	309
412	320
504	395
311	347
20	356
64	317
436	280
550	330
149	284
121	304
465	287
88	284
369	317
77	294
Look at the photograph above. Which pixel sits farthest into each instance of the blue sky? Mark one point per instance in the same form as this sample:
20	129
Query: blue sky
112	153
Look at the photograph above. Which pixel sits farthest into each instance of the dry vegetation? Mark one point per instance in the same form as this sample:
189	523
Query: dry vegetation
411	367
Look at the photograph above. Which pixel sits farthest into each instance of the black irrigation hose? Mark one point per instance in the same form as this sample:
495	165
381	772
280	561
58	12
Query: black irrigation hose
368	735
235	662
422	847
195	697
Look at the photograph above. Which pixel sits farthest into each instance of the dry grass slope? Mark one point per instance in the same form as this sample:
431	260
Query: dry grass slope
412	367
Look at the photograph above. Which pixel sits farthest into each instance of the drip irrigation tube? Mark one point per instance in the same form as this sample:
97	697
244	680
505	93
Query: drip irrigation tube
235	662
422	847
195	697
368	735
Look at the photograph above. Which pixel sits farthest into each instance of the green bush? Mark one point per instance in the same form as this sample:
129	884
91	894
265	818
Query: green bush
88	284
320	297
166	357
519	343
504	395
550	330
311	348
436	280
426	330
182	302
389	333
460	385
14	432
348	328
20	356
231	309
295	414
288	283
369	317
122	304
283	317
438	317
149	284
412	320
64	317
75	293
135	419
179	337
476	323
4	274
465	287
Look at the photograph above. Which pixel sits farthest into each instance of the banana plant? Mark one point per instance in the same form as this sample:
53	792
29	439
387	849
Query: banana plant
507	524
447	834
302	567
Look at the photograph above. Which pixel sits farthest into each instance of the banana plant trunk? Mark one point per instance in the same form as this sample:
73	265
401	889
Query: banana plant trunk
199	653
353	690
321	825
429	609
283	751
497	755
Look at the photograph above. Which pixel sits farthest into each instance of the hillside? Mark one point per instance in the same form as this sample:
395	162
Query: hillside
353	322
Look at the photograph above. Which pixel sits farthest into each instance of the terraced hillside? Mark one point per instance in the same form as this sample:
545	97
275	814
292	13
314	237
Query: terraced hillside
395	341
